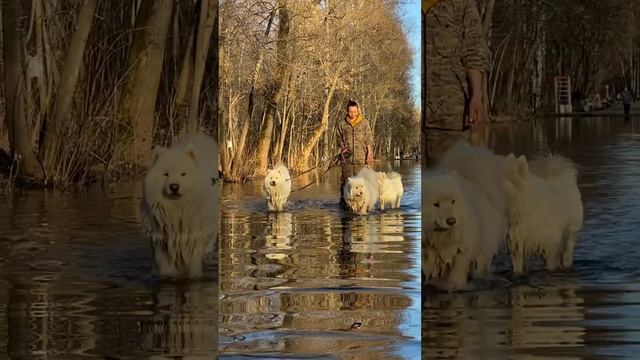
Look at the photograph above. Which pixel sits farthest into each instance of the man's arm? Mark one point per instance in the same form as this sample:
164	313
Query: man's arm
476	106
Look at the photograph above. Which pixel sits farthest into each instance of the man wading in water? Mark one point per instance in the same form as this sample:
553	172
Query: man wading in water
355	140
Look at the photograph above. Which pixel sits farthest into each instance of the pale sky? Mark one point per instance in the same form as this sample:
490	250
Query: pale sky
410	13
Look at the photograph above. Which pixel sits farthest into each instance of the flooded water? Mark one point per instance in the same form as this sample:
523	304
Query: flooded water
589	312
317	282
75	283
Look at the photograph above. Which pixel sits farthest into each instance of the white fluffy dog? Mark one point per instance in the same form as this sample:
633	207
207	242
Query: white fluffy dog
545	211
463	229
480	166
361	192
179	207
277	187
391	189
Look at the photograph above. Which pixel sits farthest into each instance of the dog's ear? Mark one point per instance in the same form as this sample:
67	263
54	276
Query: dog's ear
511	157
156	152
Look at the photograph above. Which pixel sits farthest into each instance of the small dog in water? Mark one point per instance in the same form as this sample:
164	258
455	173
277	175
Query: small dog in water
179	207
391	189
361	191
277	187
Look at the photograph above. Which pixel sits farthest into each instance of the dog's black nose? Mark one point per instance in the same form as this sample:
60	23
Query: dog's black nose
273	183
174	188
451	221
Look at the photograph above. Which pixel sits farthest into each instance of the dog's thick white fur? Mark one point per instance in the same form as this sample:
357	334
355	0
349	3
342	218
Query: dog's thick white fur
462	228
361	192
545	211
391	189
479	165
277	187
179	207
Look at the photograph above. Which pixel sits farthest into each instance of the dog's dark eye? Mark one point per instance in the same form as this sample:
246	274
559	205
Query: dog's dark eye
183	174
453	202
436	205
166	174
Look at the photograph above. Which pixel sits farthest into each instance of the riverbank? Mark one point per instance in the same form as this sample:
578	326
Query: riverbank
615	110
96	175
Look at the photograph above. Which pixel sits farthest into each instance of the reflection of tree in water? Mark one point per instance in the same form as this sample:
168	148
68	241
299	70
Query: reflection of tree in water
495	324
48	322
43	323
314	281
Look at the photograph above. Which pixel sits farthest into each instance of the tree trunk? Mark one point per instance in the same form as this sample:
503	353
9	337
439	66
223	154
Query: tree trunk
303	160
180	101
55	134
208	14
227	134
246	125
264	142
289	99
143	79
291	132
540	56
17	123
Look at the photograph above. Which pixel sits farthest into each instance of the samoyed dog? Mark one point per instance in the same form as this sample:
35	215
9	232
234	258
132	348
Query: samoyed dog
361	192
277	187
179	207
391	189
545	211
463	229
479	165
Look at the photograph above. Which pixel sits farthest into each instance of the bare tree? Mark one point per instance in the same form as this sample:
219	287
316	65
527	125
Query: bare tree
295	87
56	133
19	126
146	58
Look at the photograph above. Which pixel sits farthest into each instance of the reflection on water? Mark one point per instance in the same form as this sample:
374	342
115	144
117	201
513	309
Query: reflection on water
316	280
589	312
75	282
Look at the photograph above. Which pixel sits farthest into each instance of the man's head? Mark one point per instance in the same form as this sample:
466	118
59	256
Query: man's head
353	110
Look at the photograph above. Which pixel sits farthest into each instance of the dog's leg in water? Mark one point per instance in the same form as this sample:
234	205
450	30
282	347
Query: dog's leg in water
567	254
552	258
483	267
517	260
457	278
270	204
429	265
194	267
164	265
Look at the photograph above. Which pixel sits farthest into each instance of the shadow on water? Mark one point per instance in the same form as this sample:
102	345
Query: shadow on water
75	282
590	312
317	282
